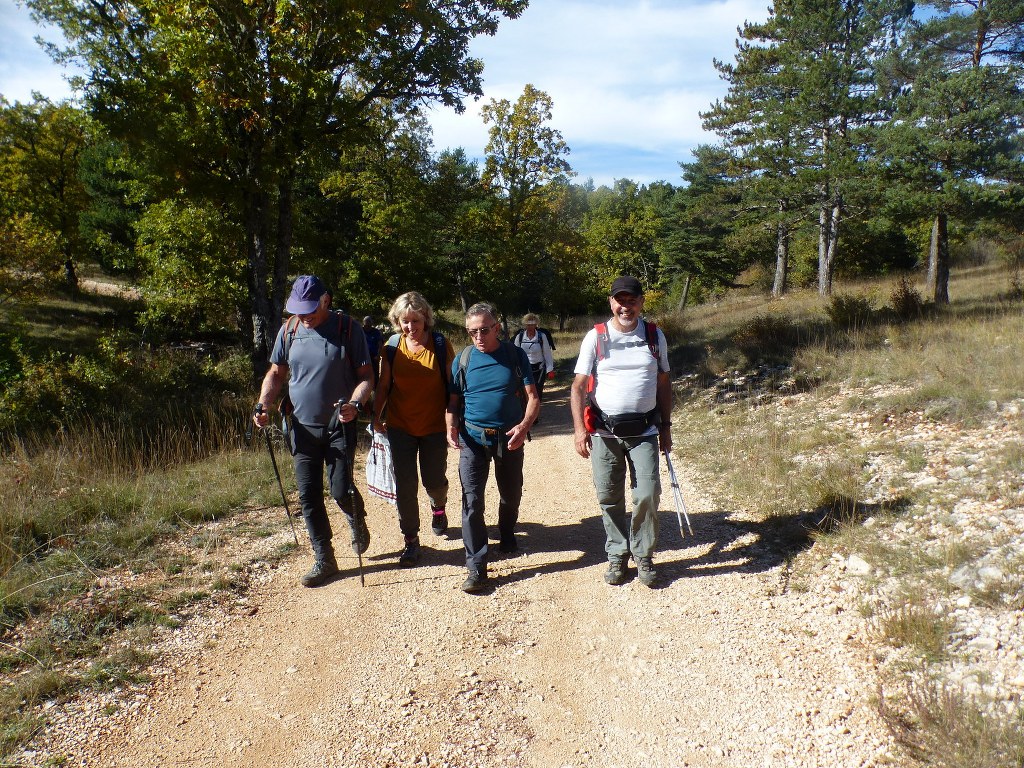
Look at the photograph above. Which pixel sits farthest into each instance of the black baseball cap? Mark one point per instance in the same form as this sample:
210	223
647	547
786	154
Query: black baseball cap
626	284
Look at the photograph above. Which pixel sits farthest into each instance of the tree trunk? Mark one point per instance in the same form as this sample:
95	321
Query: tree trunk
255	204
833	240
70	275
462	289
932	257
938	261
828	241
283	251
686	293
781	261
824	268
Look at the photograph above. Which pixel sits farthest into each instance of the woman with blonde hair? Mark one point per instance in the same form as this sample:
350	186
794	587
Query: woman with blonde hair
409	407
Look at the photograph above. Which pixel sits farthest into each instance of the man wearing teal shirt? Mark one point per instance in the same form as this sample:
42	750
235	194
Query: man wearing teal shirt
493	405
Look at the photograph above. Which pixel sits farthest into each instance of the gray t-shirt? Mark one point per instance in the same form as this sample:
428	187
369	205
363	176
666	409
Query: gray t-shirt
321	365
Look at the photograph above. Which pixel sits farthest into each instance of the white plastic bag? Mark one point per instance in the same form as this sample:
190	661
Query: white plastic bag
380	472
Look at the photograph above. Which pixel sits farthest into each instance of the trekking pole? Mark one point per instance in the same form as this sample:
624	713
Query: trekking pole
273	460
680	504
358	512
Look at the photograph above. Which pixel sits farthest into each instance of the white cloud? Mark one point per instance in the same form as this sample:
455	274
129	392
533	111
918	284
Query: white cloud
631	74
627	74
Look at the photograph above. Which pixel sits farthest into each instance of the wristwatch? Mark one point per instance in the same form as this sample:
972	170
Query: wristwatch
357	405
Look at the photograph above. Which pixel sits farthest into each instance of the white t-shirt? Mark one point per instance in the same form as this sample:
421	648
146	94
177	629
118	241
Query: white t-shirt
537	349
627	378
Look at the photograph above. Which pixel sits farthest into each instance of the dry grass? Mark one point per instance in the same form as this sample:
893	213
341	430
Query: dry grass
799	452
922	629
943	727
80	511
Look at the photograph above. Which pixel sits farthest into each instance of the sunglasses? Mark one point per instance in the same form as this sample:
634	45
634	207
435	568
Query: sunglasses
485	331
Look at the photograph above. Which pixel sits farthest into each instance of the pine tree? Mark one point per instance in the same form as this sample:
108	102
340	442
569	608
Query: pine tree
802	94
956	135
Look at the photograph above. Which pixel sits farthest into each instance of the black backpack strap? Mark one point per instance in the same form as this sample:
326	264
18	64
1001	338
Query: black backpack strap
345	335
291	325
440	349
460	374
512	352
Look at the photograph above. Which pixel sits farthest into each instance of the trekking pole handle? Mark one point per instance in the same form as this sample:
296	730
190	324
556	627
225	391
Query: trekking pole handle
259	410
248	429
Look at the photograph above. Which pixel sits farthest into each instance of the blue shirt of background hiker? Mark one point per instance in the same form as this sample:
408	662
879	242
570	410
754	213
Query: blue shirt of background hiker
492	400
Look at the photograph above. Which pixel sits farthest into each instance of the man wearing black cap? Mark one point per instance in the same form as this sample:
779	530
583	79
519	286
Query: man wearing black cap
621	410
323	357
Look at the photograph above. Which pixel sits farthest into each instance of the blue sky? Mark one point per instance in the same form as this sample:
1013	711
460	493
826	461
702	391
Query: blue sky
627	78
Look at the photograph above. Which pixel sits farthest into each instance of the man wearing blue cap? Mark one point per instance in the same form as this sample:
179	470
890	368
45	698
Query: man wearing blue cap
323	358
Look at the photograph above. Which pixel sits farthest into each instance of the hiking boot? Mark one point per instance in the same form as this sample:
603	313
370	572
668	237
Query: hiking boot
439	524
360	534
645	571
323	569
616	573
476	581
411	554
508	544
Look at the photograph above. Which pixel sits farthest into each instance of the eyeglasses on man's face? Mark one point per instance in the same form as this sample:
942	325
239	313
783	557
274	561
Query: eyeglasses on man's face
484	330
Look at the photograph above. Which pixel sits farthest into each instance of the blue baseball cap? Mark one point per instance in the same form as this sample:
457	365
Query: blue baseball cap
306	293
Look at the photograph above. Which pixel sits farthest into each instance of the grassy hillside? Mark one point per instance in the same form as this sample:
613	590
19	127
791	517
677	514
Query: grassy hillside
124	472
886	433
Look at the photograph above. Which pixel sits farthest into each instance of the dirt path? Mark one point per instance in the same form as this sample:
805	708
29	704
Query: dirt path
719	667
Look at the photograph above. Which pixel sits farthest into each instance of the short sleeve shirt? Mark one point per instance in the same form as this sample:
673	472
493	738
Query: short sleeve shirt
321	365
627	379
418	396
490	398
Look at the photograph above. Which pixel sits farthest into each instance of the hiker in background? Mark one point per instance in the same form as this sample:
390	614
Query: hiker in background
323	358
409	407
621	410
493	405
538	345
374	341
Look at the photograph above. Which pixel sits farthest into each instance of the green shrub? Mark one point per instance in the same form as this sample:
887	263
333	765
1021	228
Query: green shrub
1016	285
118	387
943	727
767	337
905	300
849	311
920	628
